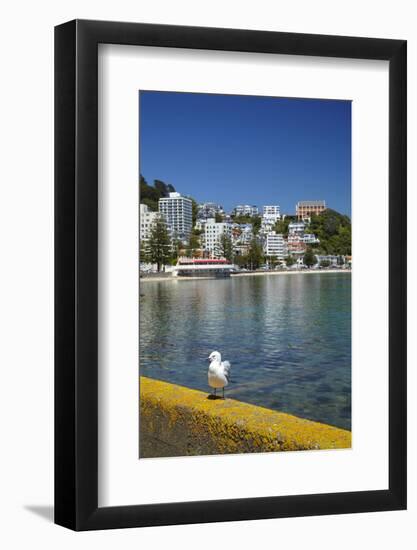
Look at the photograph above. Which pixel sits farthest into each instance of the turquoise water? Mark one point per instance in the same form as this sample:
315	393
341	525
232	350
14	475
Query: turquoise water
288	338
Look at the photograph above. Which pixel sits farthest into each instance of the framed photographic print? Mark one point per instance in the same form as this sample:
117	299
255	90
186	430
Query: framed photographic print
230	275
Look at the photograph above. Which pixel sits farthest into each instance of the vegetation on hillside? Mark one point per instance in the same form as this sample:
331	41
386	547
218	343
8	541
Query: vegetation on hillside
281	226
331	228
150	194
255	221
334	231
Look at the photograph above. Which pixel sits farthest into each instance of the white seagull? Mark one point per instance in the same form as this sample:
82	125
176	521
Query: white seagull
218	372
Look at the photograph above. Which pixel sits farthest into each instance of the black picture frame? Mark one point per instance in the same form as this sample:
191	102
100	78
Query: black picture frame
76	272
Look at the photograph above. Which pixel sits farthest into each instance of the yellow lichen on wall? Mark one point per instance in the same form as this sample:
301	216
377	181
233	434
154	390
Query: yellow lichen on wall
176	421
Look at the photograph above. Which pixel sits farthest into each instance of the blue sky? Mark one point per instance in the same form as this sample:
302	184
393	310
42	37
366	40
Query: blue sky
248	150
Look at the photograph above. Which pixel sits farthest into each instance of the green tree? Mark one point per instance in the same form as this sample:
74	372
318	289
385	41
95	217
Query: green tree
241	219
281	226
272	261
334	231
175	250
143	253
225	247
324	263
255	254
241	260
289	261
256	224
218	217
340	260
162	188
194	206
309	258
158	247
193	245
150	195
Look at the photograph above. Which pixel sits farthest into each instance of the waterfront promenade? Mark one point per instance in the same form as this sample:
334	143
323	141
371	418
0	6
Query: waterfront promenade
178	421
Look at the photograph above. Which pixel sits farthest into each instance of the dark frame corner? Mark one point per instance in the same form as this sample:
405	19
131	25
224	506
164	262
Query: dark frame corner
76	268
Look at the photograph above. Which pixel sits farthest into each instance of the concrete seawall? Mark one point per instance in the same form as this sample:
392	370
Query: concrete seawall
178	421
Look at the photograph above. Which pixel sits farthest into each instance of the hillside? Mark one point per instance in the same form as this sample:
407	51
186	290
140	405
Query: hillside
334	231
150	195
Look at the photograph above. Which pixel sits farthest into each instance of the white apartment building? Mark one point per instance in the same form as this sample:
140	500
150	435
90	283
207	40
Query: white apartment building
275	245
178	212
242	233
296	228
246	210
199	224
213	231
146	221
271	212
208	210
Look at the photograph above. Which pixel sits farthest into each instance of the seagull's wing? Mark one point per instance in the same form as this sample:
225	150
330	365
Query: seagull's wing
226	369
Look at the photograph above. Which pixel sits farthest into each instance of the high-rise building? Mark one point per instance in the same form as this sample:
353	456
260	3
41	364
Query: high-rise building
275	245
304	209
178	212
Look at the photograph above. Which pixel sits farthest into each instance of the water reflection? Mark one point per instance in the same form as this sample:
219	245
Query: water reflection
288	339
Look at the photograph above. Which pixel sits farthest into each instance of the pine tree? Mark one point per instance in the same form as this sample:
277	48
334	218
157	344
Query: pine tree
255	254
309	258
193	245
225	248
158	247
143	253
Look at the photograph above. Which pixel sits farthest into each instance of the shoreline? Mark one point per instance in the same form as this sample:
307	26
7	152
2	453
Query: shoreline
247	274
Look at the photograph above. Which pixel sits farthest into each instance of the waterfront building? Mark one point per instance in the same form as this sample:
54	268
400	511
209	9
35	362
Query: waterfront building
146	221
213	232
305	209
203	267
275	245
178	212
245	210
